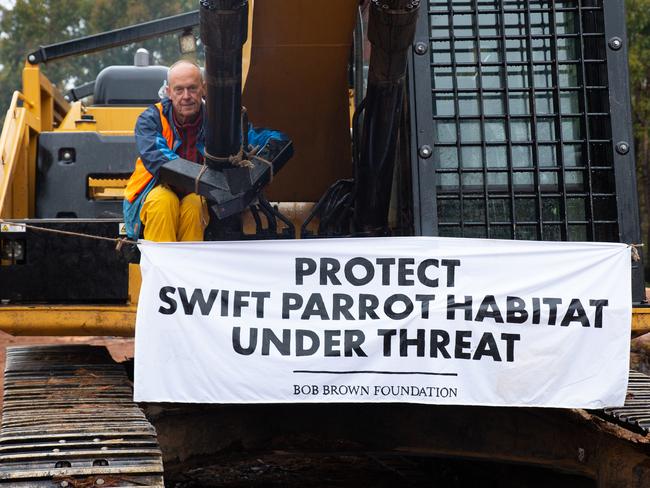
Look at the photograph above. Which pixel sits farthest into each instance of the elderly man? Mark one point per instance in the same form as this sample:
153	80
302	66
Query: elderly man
165	131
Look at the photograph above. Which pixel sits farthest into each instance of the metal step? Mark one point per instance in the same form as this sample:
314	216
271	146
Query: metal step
69	420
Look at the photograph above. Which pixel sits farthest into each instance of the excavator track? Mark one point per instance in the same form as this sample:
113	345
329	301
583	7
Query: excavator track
69	420
636	411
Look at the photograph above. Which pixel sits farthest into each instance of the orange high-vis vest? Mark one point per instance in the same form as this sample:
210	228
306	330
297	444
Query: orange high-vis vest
141	176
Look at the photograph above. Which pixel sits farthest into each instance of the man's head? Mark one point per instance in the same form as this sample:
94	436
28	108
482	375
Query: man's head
185	89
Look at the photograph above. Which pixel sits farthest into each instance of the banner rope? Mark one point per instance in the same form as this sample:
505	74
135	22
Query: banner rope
119	241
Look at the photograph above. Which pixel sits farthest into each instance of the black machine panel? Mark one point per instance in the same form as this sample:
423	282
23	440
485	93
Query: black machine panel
66	160
37	266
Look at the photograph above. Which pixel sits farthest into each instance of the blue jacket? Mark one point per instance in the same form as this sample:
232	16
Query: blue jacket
157	141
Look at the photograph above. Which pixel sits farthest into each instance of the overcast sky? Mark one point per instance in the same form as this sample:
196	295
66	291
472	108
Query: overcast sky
7	3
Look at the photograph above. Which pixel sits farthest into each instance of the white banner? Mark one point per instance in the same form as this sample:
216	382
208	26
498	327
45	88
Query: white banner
408	319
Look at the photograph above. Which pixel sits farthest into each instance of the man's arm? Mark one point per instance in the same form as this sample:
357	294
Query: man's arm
149	140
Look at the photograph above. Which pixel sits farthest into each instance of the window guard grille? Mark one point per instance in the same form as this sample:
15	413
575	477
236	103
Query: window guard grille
525	104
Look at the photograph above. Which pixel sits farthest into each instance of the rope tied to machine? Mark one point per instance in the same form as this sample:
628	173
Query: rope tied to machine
636	256
244	158
119	241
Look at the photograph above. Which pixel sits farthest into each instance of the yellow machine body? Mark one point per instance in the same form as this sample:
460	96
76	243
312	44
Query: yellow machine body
295	79
281	58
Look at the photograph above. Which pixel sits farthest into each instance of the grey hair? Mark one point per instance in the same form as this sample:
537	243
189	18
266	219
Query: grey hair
184	61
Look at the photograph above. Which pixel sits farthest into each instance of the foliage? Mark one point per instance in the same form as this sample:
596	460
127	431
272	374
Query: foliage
638	25
31	23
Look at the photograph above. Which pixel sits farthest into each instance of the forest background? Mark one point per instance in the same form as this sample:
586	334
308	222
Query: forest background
26	24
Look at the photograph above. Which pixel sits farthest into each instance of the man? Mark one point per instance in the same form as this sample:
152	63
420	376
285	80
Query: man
165	131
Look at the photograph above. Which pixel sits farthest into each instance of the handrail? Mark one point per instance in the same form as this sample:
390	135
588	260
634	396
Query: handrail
38	107
22	97
10	142
11	114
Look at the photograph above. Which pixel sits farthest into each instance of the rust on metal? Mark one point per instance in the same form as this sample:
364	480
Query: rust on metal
68	418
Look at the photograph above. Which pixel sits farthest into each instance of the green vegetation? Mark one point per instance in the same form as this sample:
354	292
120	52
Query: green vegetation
638	25
31	23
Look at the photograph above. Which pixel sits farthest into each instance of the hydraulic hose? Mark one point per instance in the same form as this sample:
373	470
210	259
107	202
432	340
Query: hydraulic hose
391	31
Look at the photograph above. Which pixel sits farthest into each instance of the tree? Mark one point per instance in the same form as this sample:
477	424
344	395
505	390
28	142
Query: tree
638	24
164	50
31	23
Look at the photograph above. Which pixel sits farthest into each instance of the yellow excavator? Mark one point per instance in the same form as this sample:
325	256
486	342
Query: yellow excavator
472	118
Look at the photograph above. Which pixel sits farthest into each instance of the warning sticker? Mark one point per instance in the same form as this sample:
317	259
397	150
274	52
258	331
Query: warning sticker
7	227
122	230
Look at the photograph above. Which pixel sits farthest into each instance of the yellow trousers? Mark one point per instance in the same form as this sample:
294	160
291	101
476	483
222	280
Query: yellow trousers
166	218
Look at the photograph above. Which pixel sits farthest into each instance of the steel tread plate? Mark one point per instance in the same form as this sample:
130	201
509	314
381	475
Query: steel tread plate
68	414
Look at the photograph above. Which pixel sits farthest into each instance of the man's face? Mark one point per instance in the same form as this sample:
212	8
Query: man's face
185	90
